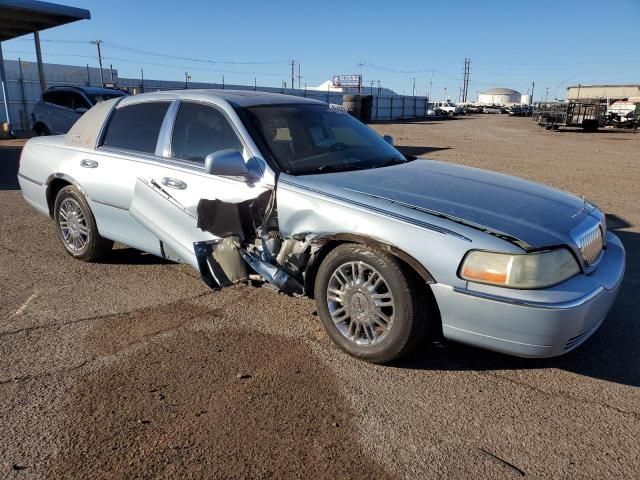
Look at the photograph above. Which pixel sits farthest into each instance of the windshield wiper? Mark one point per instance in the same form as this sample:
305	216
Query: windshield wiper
338	168
391	161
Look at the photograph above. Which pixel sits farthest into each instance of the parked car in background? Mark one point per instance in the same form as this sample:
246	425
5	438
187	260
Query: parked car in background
449	107
240	183
61	106
495	109
471	108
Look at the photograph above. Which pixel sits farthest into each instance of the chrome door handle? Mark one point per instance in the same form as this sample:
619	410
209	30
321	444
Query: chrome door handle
174	183
88	163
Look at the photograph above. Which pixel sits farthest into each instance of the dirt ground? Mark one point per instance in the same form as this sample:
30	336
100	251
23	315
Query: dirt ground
132	368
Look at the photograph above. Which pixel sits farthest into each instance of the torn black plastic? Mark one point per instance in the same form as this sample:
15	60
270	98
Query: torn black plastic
241	219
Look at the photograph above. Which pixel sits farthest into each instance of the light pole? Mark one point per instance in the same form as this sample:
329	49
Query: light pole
187	78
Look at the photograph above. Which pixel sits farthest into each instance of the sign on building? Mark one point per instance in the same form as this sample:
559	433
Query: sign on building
347	80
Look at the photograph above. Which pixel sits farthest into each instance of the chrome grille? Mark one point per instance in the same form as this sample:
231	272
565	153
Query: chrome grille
590	245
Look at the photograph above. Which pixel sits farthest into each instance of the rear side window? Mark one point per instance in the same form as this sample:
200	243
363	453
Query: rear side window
136	127
59	99
200	130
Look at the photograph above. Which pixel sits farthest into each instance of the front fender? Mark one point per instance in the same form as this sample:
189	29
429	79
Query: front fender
375	243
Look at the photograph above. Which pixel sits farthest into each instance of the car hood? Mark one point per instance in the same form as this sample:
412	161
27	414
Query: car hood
533	214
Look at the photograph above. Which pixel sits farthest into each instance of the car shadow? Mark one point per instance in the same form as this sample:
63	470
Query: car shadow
611	354
131	256
9	162
416	151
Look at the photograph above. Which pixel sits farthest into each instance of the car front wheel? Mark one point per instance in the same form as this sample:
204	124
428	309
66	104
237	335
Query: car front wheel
77	227
369	304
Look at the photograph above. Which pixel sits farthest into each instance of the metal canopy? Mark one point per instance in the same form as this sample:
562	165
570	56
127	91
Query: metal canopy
21	17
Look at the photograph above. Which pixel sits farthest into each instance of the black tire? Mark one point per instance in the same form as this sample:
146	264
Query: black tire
410	304
95	247
41	130
590	125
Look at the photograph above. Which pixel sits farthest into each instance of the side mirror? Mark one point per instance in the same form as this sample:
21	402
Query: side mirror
228	163
388	139
81	110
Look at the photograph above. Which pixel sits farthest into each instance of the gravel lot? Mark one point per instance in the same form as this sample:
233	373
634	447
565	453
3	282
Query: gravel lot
132	368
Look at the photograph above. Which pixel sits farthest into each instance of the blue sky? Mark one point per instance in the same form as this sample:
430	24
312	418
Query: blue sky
510	43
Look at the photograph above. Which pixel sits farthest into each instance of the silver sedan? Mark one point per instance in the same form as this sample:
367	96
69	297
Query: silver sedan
301	195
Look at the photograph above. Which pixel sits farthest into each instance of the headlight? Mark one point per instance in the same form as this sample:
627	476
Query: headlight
529	270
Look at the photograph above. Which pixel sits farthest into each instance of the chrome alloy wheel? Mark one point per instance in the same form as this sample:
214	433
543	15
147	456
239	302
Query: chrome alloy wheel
361	303
73	225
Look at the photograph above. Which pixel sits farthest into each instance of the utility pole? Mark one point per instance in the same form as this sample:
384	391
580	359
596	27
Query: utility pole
98	43
533	87
299	78
465	83
293	75
546	95
378	87
430	85
111	72
88	76
414	86
141	80
187	77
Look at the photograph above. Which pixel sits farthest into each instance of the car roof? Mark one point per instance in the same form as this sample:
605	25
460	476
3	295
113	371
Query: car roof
87	90
241	98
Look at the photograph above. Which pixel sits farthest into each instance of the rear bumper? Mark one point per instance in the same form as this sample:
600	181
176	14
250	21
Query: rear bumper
534	323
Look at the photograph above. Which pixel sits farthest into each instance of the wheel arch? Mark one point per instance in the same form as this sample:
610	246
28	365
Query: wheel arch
56	182
40	122
325	243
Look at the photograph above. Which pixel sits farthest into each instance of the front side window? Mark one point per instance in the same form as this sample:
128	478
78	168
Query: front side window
200	130
136	127
79	102
308	139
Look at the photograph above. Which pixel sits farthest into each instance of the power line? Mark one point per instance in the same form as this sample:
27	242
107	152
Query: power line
164	55
190	59
147	63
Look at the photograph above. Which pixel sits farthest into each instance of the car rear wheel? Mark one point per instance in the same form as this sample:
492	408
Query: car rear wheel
369	304
77	227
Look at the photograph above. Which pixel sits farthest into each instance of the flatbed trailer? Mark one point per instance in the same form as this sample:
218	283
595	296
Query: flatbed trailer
589	115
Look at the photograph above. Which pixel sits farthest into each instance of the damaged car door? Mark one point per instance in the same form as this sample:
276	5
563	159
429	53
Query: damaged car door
204	200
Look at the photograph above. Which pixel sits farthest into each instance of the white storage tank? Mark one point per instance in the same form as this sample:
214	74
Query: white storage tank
499	96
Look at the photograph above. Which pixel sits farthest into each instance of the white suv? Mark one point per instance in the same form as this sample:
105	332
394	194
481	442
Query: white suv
60	107
449	107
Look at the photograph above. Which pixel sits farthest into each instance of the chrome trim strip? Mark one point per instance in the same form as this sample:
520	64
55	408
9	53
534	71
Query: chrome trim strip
526	303
132	156
380	211
163	145
107	204
40	184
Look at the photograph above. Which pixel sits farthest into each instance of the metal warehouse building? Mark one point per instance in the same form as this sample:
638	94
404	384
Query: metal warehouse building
612	92
499	96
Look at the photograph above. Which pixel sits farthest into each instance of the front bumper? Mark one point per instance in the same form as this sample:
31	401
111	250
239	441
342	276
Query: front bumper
533	323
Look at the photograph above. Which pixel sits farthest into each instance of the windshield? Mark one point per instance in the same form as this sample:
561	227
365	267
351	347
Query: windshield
101	97
308	139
